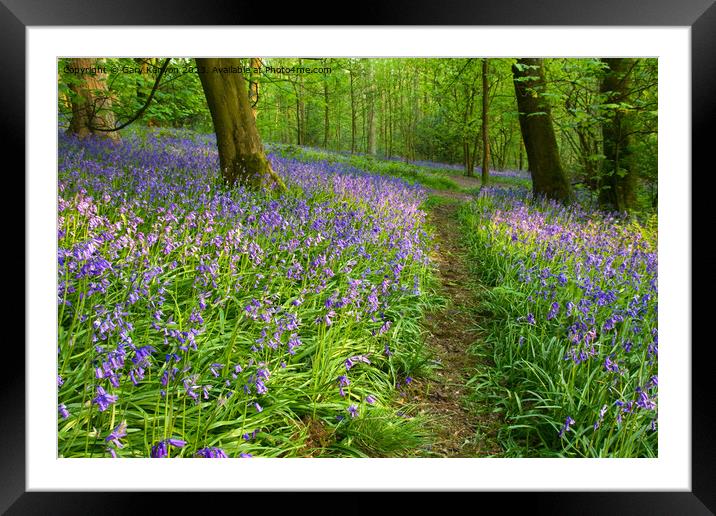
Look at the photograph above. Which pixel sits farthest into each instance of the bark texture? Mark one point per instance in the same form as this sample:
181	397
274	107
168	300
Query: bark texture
91	101
241	154
548	177
618	180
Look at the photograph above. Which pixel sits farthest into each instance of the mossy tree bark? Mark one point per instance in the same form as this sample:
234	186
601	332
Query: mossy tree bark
241	154
91	101
548	177
618	179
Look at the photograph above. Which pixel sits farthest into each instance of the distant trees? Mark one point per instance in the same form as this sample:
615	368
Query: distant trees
548	177
588	124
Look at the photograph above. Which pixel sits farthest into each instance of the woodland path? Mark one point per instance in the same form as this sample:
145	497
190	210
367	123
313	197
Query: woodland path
459	426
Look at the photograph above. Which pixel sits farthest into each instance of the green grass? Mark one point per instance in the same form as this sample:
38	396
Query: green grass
413	174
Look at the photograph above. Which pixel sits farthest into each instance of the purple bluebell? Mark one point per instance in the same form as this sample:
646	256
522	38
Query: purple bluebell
104	400
566	427
212	452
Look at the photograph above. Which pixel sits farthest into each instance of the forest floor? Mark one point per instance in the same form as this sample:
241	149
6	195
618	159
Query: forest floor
461	427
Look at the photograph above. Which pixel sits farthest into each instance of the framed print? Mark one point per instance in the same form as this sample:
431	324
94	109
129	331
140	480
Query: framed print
404	100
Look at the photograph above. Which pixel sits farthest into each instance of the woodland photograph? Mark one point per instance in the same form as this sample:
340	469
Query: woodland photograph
339	257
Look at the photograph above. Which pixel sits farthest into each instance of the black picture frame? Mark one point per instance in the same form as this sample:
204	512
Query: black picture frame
700	15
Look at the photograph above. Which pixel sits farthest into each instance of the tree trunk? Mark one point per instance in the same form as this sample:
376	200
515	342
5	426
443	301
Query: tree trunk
326	126
548	177
143	63
371	113
255	64
301	106
618	181
485	128
353	113
521	157
91	102
383	126
241	154
389	111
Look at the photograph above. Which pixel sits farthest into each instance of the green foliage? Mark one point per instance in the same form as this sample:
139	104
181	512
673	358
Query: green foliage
178	102
412	108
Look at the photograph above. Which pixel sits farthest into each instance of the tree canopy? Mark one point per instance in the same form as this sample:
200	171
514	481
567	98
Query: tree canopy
461	111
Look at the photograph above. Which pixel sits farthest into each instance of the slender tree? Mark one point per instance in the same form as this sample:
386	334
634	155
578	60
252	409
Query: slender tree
255	65
548	177
485	126
618	180
351	74
241	154
370	100
326	119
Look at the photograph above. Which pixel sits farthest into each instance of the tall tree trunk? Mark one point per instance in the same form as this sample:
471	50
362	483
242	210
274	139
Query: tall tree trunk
337	119
389	139
548	177
371	112
91	101
302	105
326	125
485	127
353	113
522	155
143	64
241	154
618	181
255	65
299	132
383	126
470	160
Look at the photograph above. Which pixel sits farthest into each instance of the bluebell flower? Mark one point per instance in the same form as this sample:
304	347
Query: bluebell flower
212	452
116	434
566	427
161	449
104	400
553	311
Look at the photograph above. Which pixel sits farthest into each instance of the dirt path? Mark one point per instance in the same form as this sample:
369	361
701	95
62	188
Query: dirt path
460	429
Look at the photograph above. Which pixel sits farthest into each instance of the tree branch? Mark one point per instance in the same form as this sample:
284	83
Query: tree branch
142	109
